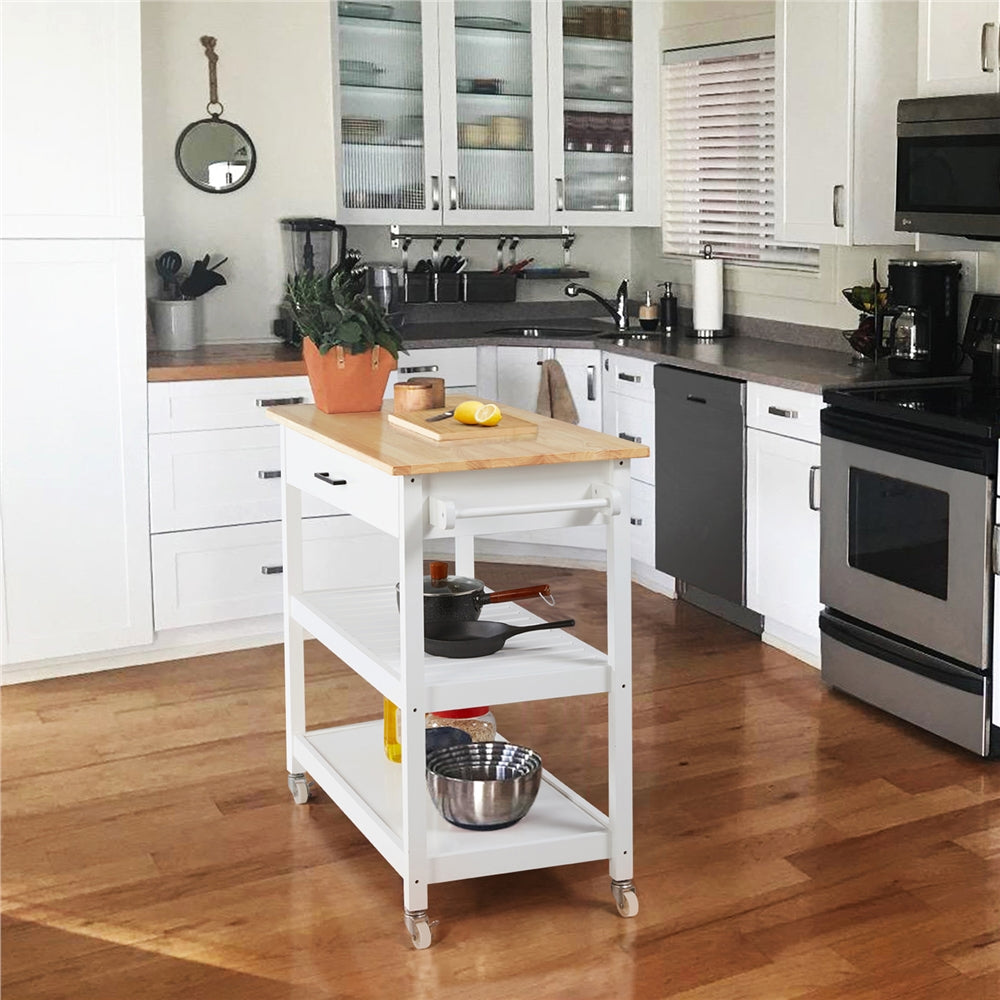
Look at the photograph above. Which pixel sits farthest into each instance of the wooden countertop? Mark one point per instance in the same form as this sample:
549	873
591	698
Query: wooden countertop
225	361
370	438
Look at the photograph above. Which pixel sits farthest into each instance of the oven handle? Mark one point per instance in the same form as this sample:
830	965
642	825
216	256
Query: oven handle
883	647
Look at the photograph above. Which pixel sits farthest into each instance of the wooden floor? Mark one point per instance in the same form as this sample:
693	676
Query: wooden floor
790	842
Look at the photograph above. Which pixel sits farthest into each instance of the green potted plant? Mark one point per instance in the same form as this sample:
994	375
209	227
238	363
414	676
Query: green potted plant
348	344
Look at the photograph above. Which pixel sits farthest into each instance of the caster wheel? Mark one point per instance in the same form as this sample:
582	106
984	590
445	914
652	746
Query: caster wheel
299	788
419	929
625	898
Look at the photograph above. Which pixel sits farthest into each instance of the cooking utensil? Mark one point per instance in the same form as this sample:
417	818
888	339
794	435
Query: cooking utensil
202	278
468	639
168	264
483	786
462	598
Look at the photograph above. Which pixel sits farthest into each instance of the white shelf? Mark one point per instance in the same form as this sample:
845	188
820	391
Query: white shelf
348	762
361	626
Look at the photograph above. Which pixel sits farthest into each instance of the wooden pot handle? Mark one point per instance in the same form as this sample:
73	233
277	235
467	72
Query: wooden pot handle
517	595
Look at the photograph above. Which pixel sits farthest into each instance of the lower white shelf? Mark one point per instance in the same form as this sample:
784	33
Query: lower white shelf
348	763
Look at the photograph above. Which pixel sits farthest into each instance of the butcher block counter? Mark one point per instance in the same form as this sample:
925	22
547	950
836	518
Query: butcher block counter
414	490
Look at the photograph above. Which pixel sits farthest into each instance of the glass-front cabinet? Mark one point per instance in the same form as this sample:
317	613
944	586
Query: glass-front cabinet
495	111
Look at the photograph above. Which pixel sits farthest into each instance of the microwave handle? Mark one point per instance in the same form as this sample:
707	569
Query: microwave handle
984	52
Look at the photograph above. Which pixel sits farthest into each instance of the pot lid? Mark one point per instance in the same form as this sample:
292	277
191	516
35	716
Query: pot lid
440	584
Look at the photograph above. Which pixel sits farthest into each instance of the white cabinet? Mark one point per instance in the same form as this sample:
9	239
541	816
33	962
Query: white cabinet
73	499
841	67
215	503
518	378
783	469
958	47
524	112
456	365
71	106
73	493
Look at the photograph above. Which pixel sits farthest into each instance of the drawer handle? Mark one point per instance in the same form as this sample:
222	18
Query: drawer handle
696	399
635	439
984	55
637	521
329	480
281	401
625	377
272	570
776	411
592	383
269	473
813	480
418	368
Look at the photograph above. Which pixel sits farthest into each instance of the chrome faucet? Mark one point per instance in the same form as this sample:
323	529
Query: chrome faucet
620	308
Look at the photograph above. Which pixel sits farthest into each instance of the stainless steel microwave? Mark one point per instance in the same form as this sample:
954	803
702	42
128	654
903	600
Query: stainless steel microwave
948	166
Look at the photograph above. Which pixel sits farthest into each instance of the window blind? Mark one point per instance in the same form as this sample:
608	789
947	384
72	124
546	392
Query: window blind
718	155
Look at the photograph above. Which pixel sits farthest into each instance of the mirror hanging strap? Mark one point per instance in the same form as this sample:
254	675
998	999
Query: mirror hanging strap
213	83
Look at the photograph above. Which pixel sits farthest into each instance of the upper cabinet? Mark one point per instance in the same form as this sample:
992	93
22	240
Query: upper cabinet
841	67
72	155
958	50
507	112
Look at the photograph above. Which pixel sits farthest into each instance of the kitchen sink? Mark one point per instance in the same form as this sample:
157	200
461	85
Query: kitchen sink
544	331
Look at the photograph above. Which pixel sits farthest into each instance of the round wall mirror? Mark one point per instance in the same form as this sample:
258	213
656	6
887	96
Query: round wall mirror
215	155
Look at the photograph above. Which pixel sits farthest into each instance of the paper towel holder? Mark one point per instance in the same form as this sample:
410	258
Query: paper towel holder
710	333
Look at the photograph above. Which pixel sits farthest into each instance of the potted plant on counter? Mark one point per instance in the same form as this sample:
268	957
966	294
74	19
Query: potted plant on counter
348	344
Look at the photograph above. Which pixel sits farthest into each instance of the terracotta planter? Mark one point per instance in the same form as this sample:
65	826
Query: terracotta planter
347	383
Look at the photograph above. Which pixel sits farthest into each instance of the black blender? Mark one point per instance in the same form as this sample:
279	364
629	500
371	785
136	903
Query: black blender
313	245
924	333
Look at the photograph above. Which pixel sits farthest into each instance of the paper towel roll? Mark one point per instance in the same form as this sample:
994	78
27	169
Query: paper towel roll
707	294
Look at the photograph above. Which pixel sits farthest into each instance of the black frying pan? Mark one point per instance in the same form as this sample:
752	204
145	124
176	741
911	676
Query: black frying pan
476	638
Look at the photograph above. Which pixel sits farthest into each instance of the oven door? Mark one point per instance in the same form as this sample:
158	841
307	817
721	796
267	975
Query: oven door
905	546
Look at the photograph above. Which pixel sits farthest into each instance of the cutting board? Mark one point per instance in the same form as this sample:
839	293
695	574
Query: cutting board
510	427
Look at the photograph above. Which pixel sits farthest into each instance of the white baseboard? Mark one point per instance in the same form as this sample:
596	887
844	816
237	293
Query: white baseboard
793	642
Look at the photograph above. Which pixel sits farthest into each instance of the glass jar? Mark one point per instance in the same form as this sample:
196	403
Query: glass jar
479	723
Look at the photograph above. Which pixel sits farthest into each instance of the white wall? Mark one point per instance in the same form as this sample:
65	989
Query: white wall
274	79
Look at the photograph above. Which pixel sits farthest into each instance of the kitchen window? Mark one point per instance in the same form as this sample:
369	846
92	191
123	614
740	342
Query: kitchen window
718	155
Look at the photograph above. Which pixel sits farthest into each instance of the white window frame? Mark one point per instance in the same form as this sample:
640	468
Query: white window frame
681	229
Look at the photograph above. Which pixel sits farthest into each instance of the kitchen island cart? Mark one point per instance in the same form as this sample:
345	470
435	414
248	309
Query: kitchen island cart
417	491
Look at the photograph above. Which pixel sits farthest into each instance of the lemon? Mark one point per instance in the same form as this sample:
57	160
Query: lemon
488	415
466	412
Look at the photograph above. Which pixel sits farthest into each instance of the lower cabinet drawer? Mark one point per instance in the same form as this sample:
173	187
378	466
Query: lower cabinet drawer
643	523
204	479
223	574
456	365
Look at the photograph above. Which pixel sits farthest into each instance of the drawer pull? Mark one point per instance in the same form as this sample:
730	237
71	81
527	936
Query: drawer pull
329	480
286	401
592	382
696	399
418	368
776	411
272	570
813	479
634	438
637	521
625	377
269	473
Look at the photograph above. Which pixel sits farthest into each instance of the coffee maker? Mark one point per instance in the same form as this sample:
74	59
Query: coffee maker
982	341
923	296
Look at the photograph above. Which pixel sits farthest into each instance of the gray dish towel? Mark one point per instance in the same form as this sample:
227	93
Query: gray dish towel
554	398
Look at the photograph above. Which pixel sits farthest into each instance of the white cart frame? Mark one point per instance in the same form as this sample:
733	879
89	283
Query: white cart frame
388	802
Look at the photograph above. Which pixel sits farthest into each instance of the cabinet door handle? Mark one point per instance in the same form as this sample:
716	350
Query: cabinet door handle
281	401
272	570
435	192
625	377
696	399
634	438
778	412
560	195
591	382
813	483
269	473
452	192
329	480
984	52
637	521
838	215
418	368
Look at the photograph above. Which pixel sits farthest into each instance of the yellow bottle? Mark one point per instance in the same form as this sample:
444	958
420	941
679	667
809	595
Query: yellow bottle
390	732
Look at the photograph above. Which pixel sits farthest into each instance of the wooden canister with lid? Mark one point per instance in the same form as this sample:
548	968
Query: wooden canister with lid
418	394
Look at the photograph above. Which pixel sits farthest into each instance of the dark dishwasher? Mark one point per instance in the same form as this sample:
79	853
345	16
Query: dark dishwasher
700	502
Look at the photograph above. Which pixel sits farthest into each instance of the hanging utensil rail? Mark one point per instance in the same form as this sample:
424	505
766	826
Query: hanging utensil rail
402	241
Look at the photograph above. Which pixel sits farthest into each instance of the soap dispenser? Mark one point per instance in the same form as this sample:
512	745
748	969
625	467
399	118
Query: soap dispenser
668	308
649	314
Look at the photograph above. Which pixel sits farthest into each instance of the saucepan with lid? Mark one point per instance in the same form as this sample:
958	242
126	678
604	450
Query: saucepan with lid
462	598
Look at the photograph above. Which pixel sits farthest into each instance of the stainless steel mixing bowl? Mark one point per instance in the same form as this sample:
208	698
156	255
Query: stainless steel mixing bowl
483	786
